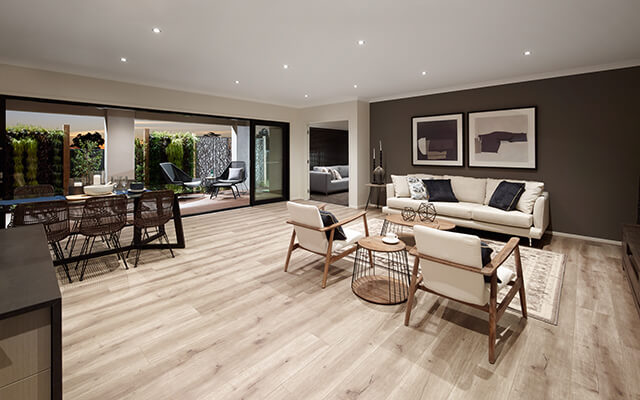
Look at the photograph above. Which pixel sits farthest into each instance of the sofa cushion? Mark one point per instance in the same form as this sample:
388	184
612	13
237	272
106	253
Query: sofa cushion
416	188
400	185
439	190
532	190
426	176
468	189
455	210
500	217
506	195
343	170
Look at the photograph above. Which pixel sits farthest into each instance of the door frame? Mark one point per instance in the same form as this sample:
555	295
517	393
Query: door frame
285	160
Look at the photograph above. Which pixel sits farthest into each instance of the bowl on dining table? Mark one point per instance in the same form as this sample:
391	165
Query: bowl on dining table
98	190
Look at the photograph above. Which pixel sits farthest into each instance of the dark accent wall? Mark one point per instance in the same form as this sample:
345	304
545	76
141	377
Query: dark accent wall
588	143
328	147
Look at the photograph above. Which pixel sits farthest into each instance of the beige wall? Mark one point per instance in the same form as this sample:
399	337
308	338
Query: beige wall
29	82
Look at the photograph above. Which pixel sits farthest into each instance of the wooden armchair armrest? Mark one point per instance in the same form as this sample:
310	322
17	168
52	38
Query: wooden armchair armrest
347	220
501	257
322	206
330	227
487	270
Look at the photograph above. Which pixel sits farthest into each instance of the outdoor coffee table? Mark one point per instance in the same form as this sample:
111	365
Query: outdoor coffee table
381	271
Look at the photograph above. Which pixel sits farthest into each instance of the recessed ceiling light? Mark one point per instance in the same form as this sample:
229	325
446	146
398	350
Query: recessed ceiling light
285	66
156	30
123	59
424	73
237	82
527	52
355	86
306	96
361	42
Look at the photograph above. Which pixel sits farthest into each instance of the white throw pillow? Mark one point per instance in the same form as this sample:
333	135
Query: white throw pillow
400	185
416	188
532	190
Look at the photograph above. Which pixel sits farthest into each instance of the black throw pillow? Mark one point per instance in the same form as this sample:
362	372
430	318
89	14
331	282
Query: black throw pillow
439	190
486	259
506	195
329	219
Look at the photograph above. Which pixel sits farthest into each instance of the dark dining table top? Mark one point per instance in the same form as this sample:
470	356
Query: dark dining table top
14	202
27	277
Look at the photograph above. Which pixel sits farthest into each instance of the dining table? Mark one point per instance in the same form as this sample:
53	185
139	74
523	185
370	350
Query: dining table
137	243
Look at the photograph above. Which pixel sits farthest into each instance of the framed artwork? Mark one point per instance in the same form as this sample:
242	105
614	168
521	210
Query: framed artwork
503	138
437	140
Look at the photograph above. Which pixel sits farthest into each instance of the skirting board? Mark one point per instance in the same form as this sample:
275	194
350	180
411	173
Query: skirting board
587	238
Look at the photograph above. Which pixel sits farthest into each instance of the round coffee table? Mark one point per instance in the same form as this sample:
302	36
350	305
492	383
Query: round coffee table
381	271
395	223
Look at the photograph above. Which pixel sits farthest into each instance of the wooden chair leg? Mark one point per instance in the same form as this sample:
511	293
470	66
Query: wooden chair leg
326	270
412	291
328	259
291	243
520	276
493	309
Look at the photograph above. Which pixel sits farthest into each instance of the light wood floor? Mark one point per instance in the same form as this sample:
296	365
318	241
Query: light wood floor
223	321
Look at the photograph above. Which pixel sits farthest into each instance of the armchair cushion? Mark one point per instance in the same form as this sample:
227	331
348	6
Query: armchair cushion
486	259
235	174
329	219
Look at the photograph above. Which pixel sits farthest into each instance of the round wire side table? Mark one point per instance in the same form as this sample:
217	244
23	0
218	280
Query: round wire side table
381	271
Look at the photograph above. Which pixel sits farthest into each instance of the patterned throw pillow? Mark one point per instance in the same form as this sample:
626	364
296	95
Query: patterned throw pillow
416	188
335	175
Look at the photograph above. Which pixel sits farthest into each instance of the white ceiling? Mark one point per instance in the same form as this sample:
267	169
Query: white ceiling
206	45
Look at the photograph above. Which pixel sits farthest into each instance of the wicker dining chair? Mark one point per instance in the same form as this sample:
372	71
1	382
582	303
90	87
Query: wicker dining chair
31	191
54	216
103	217
154	211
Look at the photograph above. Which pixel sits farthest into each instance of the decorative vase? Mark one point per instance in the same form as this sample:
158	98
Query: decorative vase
378	172
378	175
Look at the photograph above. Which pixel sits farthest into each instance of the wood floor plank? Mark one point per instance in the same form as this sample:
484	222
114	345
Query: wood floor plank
223	320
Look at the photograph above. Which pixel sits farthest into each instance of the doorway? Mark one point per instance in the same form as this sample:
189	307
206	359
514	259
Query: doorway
270	155
329	162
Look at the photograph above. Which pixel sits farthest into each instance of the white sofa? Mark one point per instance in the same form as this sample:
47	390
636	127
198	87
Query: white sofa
472	210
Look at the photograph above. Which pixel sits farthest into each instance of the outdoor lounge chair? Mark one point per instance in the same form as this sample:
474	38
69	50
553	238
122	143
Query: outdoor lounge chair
176	176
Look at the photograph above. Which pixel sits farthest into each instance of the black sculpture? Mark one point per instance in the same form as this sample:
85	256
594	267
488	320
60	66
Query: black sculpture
427	212
408	214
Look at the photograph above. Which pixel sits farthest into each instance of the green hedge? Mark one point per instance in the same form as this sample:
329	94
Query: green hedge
177	148
37	156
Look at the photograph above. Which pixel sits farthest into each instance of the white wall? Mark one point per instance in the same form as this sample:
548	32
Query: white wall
30	82
120	144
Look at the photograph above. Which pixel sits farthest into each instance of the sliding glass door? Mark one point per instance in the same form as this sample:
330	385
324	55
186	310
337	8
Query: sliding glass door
270	154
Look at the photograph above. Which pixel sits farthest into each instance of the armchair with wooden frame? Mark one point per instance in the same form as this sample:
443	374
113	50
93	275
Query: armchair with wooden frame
312	235
452	268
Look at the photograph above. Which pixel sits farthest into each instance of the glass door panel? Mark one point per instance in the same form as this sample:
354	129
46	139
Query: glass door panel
270	167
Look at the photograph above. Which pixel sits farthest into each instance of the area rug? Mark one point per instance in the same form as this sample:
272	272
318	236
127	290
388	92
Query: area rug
543	276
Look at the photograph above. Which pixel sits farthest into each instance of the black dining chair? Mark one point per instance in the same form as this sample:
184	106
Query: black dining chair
154	210
54	216
102	217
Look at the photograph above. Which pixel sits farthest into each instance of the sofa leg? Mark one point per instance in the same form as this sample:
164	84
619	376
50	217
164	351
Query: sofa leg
530	242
